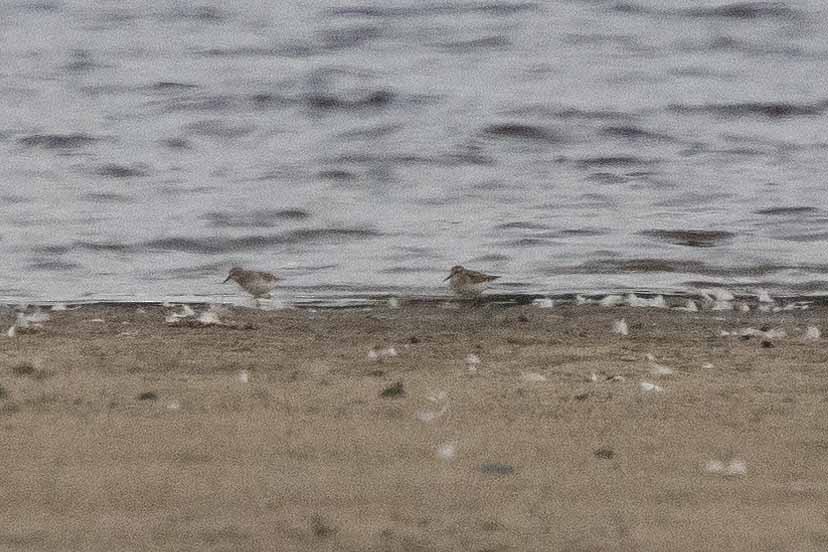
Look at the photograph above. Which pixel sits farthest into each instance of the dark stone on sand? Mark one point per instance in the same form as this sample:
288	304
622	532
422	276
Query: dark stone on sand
497	469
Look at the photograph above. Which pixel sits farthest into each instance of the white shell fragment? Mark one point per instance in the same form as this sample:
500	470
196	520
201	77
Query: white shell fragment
658	369
646	387
447	452
730	469
426	415
620	327
472	362
244	376
381	354
763	296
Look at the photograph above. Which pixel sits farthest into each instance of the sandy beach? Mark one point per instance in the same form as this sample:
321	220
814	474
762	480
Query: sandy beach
433	426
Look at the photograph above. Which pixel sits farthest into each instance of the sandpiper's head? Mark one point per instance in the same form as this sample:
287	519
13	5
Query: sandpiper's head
457	269
235	273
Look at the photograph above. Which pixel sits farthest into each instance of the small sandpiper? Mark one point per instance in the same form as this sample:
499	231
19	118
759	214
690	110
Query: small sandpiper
258	284
468	282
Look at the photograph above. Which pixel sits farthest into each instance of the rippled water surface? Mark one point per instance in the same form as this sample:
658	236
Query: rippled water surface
367	147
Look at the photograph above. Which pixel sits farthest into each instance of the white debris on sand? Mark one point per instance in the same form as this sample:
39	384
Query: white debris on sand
620	327
244	376
427	415
646	387
379	355
730	469
472	362
544	303
707	365
210	318
812	333
447	451
532	377
27	323
393	302
658	369
774	333
763	296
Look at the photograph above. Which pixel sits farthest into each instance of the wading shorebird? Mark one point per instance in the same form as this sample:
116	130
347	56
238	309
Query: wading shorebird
468	282
258	284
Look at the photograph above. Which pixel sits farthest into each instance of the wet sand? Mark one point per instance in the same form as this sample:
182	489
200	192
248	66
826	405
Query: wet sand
120	432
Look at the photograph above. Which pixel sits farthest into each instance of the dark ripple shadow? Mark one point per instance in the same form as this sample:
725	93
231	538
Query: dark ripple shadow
337	175
521	131
635	133
606	178
613	161
82	62
804	238
171	86
690	238
216	128
246	243
201	14
744	10
457	158
106	197
260	218
42	6
52	265
57	141
405	270
108	247
222	103
521	225
737	10
328	101
787	211
114	170
770	110
432	9
195	272
176	143
496	42
619	266
370	133
348	37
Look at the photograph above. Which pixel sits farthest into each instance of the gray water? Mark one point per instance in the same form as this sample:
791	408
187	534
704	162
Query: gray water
366	147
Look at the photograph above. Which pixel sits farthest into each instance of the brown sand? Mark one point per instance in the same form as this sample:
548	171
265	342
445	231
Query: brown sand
309	456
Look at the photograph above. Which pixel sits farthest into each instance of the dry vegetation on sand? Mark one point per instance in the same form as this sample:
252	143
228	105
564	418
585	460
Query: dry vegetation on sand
414	429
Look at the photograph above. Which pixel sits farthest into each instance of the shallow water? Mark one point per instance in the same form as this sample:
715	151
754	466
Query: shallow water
364	148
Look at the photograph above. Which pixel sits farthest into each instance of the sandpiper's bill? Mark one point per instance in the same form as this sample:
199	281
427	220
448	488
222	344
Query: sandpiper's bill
258	284
468	282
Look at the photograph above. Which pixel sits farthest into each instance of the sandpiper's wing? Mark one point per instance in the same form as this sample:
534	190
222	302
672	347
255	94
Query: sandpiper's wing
478	277
267	276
